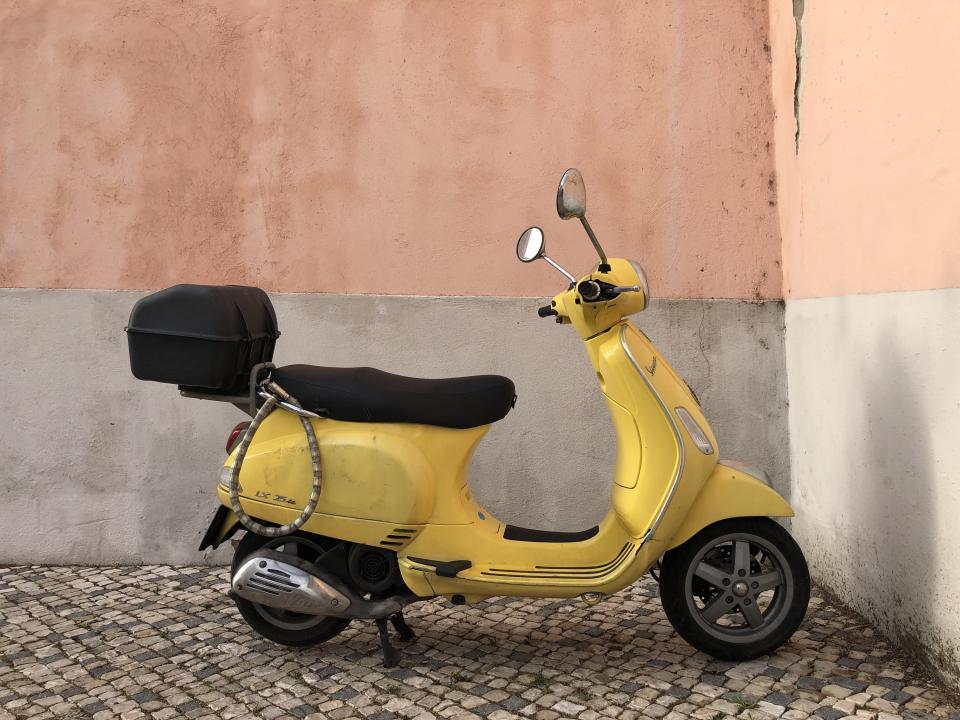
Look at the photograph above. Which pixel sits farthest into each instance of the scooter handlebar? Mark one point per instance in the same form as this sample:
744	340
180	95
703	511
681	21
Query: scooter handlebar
547	311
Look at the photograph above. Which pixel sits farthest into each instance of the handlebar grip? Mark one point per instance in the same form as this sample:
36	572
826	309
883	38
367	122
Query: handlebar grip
546	311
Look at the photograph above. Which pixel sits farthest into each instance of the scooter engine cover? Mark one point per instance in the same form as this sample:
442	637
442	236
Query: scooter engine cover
372	569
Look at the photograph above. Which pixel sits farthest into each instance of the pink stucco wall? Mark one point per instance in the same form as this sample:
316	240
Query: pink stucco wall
869	202
394	147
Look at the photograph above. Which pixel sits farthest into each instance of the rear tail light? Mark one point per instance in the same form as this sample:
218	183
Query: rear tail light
235	436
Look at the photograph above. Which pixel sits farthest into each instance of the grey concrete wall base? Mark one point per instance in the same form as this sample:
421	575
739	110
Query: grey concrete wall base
874	421
97	467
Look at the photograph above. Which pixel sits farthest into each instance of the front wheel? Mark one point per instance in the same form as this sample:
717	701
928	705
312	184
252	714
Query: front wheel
736	590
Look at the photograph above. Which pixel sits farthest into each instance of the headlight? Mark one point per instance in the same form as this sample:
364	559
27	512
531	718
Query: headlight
642	276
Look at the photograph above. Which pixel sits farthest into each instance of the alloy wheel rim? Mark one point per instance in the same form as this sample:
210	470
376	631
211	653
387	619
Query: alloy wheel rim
738	587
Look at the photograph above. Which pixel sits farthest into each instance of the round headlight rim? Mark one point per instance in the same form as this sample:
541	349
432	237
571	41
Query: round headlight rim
644	283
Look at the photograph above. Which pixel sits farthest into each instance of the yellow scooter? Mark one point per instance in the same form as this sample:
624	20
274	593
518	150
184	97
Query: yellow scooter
389	517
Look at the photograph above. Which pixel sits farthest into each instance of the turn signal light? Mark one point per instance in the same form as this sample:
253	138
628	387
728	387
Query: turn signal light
234	437
696	433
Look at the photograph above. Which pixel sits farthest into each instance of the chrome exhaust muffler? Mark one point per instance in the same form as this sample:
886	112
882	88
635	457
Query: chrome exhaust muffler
282	581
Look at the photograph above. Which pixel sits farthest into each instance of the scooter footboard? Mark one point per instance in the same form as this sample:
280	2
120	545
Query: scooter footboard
730	492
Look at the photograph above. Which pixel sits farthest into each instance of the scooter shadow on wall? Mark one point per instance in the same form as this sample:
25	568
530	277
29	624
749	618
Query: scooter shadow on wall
895	498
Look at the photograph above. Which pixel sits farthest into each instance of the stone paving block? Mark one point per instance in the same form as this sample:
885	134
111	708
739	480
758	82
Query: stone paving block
165	643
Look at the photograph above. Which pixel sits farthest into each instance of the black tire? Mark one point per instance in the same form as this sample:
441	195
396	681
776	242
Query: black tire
282	626
706	577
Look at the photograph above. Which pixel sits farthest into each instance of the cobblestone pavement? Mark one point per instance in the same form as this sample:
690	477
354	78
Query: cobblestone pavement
165	642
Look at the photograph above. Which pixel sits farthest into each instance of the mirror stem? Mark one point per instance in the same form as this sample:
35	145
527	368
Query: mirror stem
570	277
593	239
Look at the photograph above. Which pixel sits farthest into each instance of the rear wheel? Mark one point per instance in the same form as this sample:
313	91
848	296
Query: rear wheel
738	589
284	626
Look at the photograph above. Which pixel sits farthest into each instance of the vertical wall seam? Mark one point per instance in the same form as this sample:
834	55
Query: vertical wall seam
798	55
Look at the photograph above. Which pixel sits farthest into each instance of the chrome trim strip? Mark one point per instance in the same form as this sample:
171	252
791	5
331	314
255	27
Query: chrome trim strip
676	433
556	266
572	572
624	549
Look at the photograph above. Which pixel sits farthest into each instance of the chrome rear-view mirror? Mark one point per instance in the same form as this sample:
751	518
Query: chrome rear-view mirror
531	246
572	202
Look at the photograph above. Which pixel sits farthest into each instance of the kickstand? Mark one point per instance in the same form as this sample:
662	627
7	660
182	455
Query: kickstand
391	656
403	630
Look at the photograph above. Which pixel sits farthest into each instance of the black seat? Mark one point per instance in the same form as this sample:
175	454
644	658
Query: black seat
369	395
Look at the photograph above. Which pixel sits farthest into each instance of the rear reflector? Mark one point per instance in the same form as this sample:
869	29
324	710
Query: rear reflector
235	436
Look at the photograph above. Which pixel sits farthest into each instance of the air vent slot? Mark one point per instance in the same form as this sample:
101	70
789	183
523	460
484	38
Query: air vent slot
271	583
399	537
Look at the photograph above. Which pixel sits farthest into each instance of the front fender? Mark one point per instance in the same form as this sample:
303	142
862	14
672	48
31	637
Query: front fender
730	492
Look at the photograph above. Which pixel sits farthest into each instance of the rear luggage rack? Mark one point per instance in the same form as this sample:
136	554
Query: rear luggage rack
248	403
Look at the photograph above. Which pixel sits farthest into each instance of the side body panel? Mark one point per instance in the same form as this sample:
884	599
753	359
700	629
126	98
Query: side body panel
378	480
651	497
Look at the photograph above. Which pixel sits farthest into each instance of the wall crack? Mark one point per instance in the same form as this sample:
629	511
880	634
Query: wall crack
798	54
